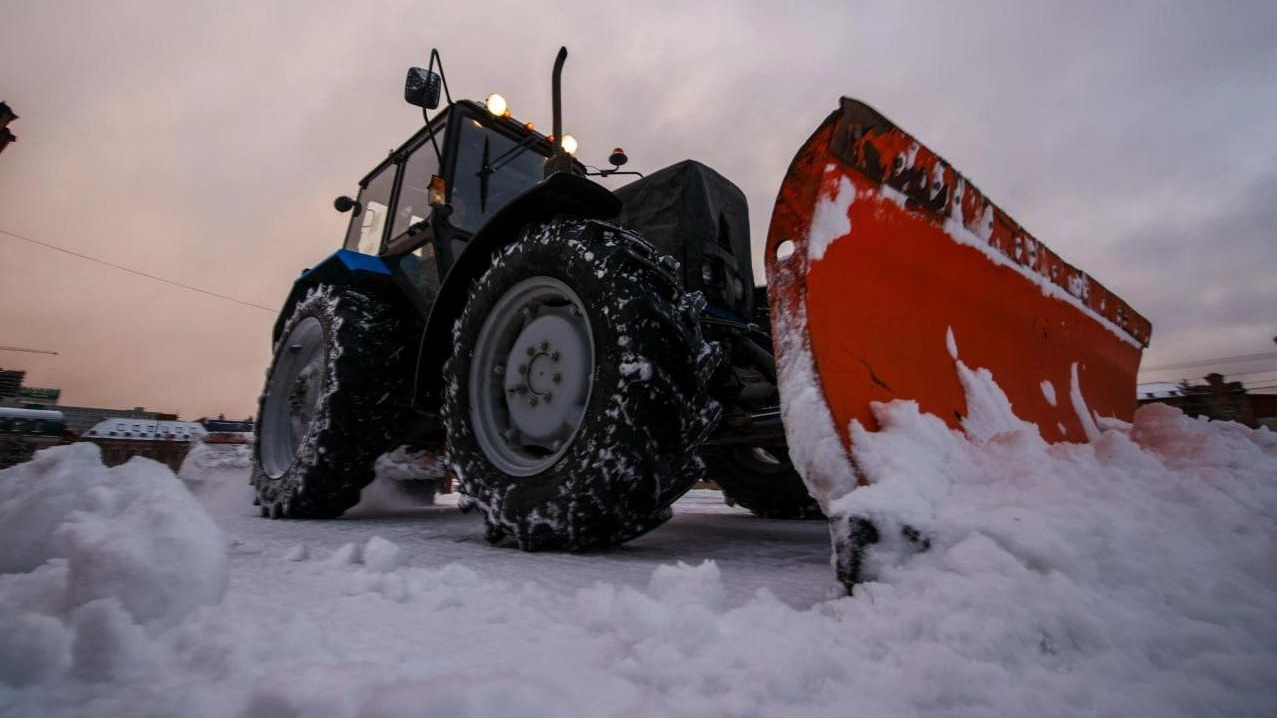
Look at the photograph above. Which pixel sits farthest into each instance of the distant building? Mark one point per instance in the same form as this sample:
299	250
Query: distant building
165	441
134	428
1216	399
222	424
83	418
1158	390
10	383
25	431
228	431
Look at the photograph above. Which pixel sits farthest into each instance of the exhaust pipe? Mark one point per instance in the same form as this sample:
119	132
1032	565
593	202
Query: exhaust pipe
560	161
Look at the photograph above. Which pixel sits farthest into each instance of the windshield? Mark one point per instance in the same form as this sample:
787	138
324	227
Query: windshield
491	170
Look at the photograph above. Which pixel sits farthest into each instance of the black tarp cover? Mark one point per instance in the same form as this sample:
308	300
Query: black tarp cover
699	217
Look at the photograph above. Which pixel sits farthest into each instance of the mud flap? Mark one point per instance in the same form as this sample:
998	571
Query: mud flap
883	262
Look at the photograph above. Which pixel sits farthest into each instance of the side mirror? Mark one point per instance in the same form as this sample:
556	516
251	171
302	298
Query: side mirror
421	88
345	204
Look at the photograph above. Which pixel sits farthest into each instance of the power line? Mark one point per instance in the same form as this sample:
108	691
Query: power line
134	271
1209	362
24	349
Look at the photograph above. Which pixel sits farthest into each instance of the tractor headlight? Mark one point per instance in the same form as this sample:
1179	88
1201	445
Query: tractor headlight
496	104
569	144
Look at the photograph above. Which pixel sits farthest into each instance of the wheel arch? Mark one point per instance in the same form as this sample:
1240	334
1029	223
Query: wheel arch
341	268
558	195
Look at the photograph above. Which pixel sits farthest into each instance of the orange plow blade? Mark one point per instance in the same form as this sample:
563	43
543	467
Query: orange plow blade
886	266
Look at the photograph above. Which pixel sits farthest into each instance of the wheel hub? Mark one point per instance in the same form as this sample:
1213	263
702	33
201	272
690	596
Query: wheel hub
531	375
546	380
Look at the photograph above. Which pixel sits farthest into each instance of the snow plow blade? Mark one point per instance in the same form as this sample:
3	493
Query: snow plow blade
886	267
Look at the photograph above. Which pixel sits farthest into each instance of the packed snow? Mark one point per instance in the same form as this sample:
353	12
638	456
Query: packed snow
1132	576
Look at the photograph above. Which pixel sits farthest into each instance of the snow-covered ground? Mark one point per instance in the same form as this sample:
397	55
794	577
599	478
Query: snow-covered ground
1134	576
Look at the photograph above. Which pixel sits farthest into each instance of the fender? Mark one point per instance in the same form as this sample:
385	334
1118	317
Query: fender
341	267
557	195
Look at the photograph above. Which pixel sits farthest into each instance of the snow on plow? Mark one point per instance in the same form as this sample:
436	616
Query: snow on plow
883	262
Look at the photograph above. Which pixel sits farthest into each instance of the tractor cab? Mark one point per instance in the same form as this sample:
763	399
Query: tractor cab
440	186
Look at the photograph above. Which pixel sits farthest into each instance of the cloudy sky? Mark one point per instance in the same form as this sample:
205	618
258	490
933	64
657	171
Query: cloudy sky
204	142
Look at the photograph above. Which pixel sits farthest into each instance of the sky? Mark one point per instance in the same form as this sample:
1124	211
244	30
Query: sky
204	142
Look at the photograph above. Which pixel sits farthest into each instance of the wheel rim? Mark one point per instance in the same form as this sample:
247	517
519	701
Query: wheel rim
292	394
531	376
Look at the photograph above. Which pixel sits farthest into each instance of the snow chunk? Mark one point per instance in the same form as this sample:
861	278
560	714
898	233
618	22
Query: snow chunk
33	648
218	476
682	585
829	221
1079	405
636	368
1048	392
989	410
131	533
381	555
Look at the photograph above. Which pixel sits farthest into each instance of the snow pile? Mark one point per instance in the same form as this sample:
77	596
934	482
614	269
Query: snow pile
1135	576
94	558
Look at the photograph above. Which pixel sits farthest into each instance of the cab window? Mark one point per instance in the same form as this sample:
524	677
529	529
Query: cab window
367	227
414	194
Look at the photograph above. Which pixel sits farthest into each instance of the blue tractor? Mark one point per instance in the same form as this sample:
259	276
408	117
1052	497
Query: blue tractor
580	354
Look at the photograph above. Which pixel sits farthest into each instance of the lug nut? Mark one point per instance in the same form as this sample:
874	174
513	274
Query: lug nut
533	400
557	377
554	355
523	369
548	396
545	345
532	350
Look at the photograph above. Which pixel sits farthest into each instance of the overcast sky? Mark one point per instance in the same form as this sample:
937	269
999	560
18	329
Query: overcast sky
204	142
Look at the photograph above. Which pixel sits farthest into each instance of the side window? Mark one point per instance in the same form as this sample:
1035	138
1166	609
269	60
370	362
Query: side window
414	194
366	229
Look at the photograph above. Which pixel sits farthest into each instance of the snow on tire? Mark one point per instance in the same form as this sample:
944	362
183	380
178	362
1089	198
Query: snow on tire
329	408
576	394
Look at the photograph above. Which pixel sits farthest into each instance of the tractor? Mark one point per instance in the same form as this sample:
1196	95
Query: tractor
580	354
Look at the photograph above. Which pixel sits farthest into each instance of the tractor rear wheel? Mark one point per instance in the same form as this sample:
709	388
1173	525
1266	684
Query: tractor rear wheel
576	391
329	408
761	479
